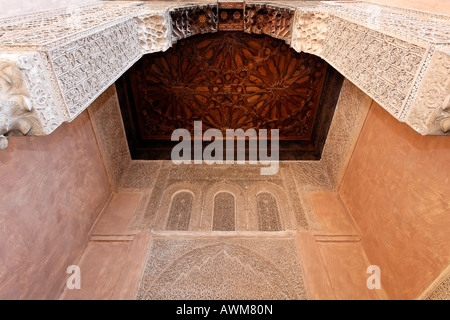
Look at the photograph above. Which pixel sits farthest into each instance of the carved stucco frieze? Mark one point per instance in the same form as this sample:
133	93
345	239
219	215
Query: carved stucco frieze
408	24
79	52
86	67
430	111
53	28
47	102
385	51
384	67
16	109
28	104
399	57
310	31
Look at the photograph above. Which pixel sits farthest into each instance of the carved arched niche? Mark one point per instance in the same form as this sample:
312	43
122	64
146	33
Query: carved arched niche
219	215
272	215
180	211
179	208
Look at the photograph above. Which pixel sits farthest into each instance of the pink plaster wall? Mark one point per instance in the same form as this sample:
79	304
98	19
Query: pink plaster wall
52	190
397	188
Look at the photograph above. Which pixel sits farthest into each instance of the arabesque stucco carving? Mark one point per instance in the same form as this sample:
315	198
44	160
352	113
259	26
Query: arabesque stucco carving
54	64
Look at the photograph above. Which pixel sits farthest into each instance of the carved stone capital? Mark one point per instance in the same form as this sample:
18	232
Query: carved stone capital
25	98
16	109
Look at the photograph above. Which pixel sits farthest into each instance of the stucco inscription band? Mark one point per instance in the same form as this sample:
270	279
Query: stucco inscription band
54	64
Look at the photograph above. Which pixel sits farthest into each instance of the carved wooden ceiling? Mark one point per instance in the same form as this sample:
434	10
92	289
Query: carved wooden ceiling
227	80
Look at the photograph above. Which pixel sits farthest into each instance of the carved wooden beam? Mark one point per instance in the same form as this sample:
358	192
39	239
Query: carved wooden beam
53	64
271	20
194	19
231	15
28	103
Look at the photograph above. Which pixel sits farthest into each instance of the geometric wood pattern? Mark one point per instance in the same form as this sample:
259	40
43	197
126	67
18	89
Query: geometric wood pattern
265	19
228	80
231	16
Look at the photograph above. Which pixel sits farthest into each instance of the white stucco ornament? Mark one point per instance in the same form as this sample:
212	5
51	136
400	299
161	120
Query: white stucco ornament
54	64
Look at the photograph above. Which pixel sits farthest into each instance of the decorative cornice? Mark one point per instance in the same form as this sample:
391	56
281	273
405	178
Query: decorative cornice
271	20
53	64
430	110
195	19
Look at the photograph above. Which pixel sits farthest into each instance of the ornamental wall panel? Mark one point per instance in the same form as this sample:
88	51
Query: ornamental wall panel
55	63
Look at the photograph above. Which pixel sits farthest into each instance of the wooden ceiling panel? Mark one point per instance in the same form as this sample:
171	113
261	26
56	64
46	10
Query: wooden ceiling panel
228	80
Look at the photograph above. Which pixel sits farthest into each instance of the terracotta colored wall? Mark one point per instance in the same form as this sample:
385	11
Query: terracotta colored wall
52	190
397	188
